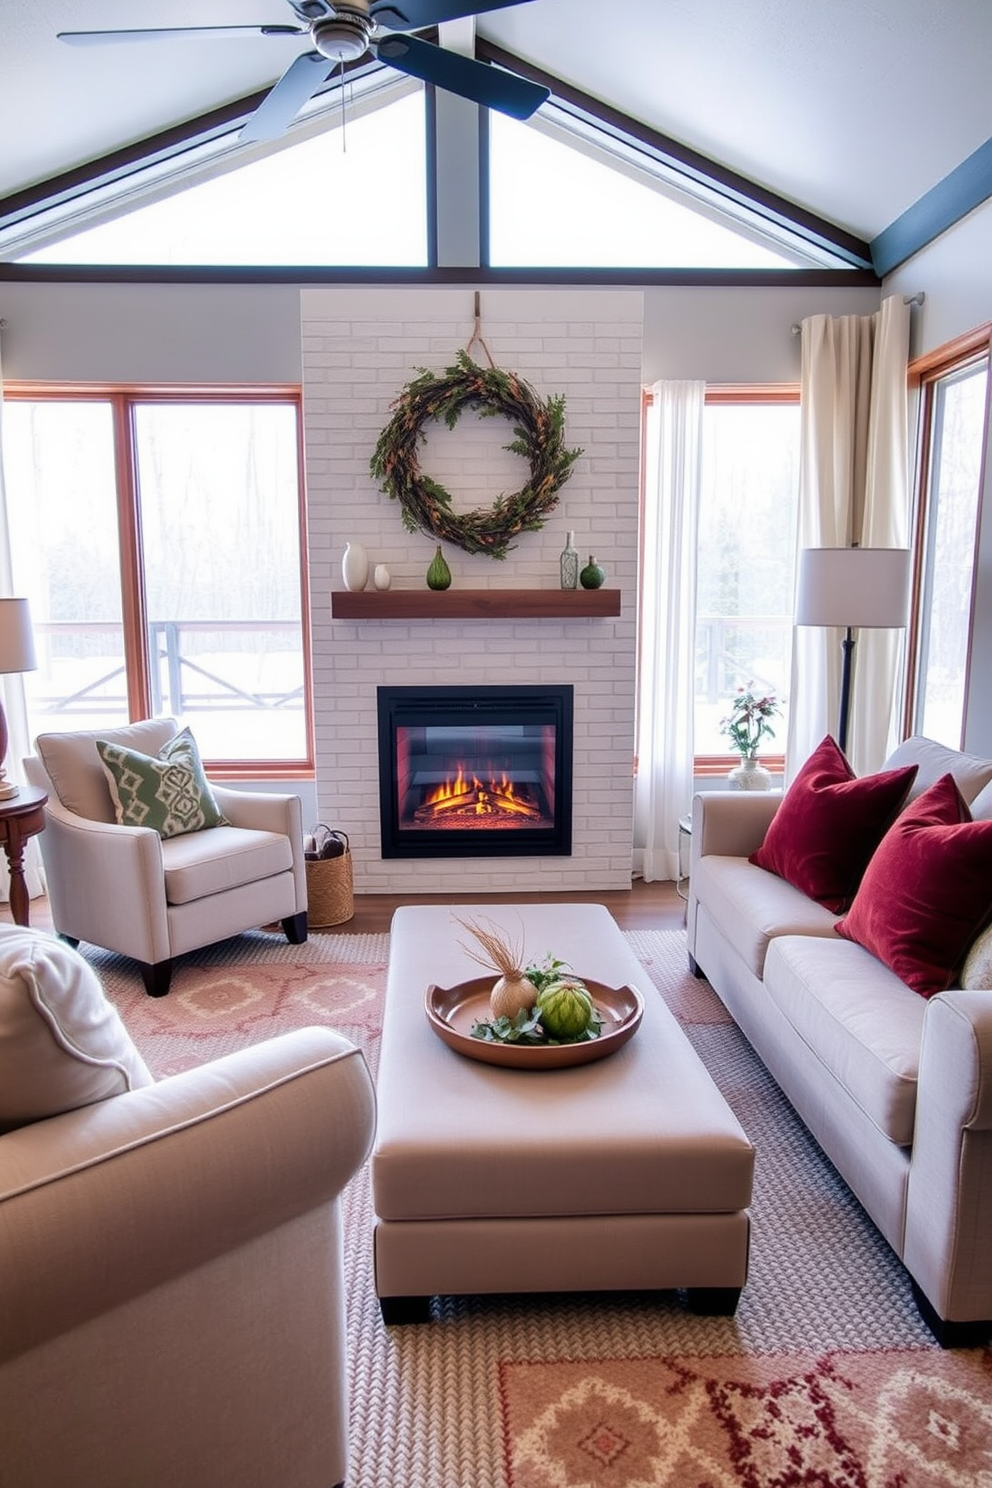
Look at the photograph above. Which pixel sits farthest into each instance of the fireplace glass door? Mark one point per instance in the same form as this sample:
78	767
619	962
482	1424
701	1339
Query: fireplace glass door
475	771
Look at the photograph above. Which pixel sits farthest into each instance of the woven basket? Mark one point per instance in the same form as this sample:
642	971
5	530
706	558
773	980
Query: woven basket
330	888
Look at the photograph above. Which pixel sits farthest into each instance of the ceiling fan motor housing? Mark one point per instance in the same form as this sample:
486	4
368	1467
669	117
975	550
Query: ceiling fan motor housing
343	37
343	32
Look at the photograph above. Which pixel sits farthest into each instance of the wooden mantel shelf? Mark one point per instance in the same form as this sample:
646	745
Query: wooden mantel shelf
475	604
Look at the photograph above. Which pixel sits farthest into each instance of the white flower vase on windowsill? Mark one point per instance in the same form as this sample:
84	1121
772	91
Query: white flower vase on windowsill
749	775
746	725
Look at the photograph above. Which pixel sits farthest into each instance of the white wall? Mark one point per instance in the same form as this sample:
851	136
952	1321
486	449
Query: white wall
737	335
151	332
359	349
242	333
251	333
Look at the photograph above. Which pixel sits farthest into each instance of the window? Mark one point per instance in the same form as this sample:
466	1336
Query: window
567	193
354	183
355	193
159	538
953	405
745	575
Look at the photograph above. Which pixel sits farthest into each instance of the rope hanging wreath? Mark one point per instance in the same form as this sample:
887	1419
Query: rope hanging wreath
539	436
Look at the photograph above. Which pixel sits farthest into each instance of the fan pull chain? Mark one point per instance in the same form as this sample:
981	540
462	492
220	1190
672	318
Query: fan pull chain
477	333
344	137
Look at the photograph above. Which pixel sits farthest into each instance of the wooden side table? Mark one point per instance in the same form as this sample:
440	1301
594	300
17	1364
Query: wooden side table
21	817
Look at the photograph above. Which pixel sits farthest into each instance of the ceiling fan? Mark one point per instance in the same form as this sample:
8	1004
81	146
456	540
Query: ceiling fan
343	32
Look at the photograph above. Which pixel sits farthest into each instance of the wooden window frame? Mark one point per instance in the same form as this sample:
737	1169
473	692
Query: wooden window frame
925	373
712	766
123	398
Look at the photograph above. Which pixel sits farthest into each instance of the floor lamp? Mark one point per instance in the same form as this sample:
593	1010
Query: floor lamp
16	655
853	588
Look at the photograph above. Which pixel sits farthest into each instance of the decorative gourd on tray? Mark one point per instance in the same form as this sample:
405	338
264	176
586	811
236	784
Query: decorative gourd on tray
530	1004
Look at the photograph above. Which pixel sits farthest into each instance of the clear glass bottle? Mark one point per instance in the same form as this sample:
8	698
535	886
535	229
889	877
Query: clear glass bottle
569	564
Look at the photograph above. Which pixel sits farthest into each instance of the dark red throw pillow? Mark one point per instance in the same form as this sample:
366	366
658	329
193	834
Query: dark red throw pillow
829	824
927	891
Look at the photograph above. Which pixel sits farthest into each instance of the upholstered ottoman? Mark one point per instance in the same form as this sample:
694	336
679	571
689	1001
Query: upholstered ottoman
627	1173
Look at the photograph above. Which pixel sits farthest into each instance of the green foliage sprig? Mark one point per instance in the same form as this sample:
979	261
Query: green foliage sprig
527	1028
550	970
539	437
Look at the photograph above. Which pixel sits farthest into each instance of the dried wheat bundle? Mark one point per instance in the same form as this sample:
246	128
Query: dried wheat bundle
496	951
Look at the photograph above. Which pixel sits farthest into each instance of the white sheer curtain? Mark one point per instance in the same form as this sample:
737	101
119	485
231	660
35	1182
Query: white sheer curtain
667	642
13	699
854	488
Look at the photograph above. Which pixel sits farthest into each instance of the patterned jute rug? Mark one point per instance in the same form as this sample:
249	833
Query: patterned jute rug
825	1376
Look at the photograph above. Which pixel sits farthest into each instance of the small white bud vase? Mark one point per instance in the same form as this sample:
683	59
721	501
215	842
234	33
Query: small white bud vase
381	578
355	567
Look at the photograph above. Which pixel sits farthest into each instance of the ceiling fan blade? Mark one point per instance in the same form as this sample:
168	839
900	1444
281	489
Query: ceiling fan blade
281	105
170	33
417	15
477	81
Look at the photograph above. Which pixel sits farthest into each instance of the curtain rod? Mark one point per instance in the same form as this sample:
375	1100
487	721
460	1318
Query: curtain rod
916	299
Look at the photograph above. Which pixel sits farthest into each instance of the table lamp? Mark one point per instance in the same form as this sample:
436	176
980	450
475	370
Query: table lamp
852	588
16	655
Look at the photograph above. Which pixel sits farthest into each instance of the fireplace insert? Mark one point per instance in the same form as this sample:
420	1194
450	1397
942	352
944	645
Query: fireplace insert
475	771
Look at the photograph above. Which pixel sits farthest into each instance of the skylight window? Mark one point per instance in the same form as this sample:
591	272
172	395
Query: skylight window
318	201
559	198
351	185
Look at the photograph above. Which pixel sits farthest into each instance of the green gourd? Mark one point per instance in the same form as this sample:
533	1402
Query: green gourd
592	576
565	1009
439	574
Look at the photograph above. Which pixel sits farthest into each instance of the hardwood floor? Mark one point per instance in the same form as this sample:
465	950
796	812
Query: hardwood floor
653	906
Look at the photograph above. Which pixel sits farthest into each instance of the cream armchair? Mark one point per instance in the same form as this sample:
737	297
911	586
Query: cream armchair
130	891
172	1306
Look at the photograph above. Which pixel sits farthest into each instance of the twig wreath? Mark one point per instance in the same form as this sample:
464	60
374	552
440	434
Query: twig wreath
539	430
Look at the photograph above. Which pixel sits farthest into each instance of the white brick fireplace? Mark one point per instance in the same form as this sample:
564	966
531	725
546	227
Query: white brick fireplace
360	347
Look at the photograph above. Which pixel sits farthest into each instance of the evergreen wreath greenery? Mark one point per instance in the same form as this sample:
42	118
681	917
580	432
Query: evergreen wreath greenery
539	436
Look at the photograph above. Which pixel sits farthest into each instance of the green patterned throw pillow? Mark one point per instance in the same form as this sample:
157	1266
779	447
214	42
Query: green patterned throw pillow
168	791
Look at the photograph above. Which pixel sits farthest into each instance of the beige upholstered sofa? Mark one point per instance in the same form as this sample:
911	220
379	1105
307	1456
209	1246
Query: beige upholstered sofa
129	890
171	1292
895	1087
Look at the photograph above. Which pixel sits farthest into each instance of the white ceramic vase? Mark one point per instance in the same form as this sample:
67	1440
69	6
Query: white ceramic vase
381	578
749	775
355	567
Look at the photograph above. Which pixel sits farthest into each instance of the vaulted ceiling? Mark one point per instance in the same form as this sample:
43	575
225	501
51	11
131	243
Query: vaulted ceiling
852	109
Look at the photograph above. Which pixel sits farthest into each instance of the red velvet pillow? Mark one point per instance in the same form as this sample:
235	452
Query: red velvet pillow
829	824
927	891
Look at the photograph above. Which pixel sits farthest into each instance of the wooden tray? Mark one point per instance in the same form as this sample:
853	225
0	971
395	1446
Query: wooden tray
452	1011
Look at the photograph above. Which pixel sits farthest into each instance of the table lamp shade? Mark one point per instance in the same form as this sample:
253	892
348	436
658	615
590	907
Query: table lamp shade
16	639
855	587
16	655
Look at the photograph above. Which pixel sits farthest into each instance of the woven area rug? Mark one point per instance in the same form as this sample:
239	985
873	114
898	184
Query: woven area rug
825	1376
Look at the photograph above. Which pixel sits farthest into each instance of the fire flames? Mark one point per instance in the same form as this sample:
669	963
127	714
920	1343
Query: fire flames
463	799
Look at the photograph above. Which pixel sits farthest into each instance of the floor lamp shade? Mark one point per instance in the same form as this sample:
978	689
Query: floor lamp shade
16	655
852	588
